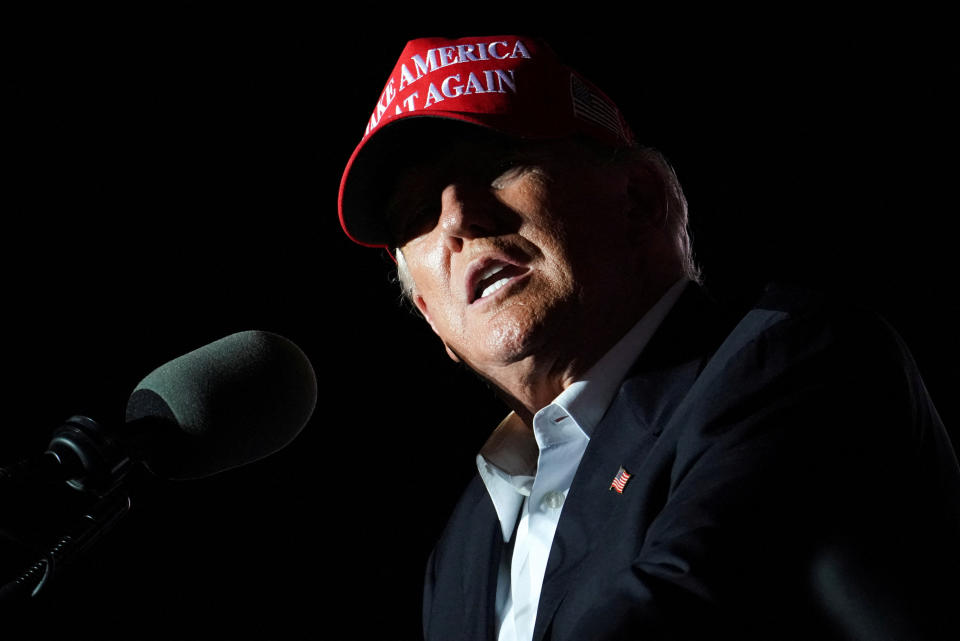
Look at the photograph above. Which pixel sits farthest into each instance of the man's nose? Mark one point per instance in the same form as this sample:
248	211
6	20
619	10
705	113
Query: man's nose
466	213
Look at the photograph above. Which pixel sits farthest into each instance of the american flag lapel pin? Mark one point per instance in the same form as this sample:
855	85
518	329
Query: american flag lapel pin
620	480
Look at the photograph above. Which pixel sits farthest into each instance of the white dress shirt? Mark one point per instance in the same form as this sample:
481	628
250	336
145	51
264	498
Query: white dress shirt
528	476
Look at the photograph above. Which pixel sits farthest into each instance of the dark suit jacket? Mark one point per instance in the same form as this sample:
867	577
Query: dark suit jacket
791	480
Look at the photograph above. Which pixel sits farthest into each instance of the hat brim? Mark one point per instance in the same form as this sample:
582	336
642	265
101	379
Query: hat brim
371	172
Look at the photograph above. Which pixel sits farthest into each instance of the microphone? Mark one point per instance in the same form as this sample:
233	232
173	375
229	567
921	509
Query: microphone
226	404
221	406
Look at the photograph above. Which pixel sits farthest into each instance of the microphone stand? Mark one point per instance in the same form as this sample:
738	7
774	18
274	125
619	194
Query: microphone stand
81	454
96	522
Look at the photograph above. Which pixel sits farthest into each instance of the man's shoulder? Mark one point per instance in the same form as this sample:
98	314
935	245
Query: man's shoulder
797	350
783	318
788	340
804	318
710	351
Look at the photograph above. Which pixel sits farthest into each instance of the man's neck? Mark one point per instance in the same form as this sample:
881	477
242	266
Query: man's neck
529	384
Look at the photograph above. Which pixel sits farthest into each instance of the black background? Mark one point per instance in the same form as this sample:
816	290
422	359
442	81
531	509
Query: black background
170	177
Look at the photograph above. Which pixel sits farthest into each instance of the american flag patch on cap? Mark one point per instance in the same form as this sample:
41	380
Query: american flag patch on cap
620	480
593	107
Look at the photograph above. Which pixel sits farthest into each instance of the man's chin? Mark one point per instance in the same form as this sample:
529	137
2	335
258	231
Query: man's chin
505	348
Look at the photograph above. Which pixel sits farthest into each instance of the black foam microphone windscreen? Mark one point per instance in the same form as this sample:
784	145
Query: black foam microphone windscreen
226	404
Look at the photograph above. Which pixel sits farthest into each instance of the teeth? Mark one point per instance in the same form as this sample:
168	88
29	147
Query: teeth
484	276
490	271
492	288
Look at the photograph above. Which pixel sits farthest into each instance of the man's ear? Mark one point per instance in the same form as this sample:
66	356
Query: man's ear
422	306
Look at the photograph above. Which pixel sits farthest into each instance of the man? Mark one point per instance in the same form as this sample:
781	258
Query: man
668	470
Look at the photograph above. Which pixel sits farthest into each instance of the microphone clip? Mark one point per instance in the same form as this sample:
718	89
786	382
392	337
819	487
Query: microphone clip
89	458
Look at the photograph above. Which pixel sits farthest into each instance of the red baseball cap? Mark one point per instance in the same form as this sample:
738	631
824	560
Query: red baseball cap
514	85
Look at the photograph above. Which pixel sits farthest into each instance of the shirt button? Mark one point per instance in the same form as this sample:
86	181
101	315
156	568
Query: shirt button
552	500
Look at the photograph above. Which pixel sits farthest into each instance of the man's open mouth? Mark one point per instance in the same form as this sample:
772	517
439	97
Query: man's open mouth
490	278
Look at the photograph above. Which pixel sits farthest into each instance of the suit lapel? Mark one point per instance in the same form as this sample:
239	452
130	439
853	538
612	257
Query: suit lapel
653	389
461	582
482	556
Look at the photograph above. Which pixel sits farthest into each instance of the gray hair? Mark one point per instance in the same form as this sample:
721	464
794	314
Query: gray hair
404	279
674	204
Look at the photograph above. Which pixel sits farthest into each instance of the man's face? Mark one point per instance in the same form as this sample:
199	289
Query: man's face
514	248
